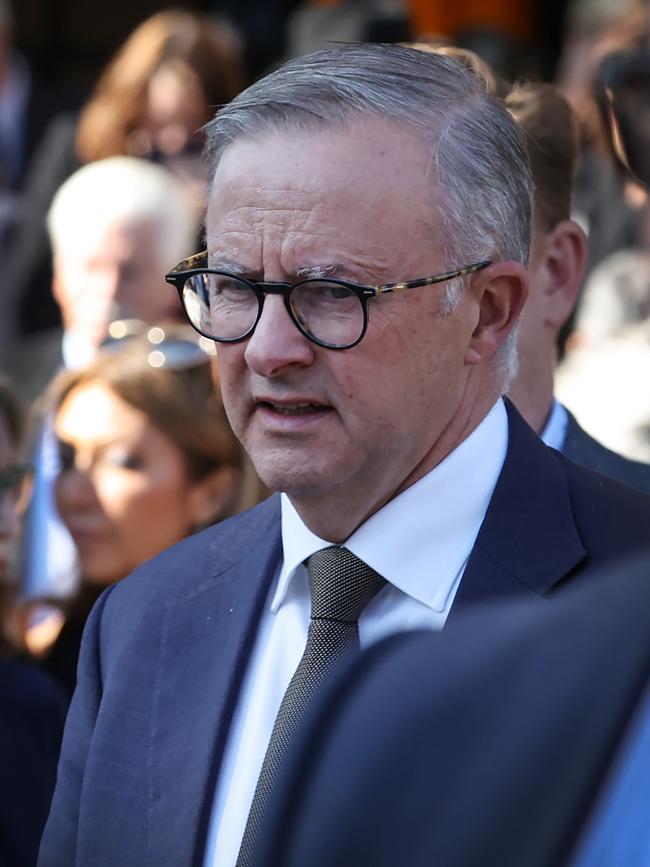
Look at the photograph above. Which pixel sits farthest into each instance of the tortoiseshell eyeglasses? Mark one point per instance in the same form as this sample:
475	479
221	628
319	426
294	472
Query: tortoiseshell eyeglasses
330	312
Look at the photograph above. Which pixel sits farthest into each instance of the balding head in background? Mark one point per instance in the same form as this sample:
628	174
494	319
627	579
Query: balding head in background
116	225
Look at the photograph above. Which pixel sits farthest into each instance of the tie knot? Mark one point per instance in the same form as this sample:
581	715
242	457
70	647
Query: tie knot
341	584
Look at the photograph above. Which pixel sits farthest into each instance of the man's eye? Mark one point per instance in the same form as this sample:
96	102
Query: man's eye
232	291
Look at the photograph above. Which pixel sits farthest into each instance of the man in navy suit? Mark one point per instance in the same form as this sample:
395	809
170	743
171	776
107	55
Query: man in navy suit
557	261
368	229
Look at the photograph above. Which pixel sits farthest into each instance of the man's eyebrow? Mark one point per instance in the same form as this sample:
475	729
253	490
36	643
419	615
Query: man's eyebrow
336	269
305	272
315	271
221	263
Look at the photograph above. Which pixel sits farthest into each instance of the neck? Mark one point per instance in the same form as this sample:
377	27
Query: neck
334	515
532	394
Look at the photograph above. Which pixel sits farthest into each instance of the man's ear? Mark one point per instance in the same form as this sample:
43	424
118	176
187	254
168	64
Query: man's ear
559	262
499	293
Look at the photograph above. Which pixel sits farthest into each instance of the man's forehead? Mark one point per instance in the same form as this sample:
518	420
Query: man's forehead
364	176
363	138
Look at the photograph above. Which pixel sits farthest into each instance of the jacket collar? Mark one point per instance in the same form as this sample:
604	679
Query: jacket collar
528	541
205	642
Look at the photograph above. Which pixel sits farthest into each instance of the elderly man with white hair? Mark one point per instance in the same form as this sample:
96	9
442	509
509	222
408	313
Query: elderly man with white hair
115	225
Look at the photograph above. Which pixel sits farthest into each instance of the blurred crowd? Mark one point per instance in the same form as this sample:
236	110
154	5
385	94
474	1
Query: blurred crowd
113	439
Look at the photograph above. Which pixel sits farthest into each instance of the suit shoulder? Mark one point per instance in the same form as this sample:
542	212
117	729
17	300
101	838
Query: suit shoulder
606	509
200	557
584	449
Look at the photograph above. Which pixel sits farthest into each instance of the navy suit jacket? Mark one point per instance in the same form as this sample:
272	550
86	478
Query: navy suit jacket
165	651
489	744
582	448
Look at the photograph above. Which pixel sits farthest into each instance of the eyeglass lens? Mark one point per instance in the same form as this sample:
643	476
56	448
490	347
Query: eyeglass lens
226	308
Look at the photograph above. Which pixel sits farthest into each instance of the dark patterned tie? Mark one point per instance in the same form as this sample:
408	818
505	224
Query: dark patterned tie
341	587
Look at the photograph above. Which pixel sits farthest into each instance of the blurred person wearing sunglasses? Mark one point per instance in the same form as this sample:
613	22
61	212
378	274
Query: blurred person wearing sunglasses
146	458
604	378
32	708
367	236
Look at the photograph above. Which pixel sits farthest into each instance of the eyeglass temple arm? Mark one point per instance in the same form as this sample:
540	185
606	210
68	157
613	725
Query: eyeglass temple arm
430	281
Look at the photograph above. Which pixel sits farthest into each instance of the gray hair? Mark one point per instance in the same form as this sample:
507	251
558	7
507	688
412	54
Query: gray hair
477	151
122	189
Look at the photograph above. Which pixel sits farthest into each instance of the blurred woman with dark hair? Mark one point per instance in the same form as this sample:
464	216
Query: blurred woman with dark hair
162	85
147	458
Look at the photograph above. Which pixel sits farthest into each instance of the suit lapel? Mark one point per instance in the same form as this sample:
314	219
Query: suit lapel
207	636
528	541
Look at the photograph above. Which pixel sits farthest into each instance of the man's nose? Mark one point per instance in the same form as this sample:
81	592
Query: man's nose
276	342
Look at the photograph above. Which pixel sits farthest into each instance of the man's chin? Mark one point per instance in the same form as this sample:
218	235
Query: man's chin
292	477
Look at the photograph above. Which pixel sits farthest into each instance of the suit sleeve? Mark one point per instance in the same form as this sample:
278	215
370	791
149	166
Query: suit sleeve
59	841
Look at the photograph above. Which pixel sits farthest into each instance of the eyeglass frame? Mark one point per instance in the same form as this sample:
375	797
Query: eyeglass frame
182	272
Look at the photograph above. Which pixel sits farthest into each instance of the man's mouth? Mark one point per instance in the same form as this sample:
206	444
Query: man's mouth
292	409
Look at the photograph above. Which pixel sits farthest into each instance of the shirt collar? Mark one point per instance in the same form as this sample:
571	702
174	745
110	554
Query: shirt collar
554	432
435	520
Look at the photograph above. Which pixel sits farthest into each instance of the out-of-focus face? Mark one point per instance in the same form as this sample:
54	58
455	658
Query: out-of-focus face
175	110
115	273
123	491
354	203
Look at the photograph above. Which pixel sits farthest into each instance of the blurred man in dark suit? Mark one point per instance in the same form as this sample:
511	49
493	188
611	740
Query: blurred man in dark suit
557	262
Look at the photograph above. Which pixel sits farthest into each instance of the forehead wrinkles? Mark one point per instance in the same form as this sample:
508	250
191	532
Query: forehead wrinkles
293	241
319	215
252	209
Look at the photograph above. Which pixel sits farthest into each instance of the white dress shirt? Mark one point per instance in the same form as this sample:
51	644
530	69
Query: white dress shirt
554	432
419	542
